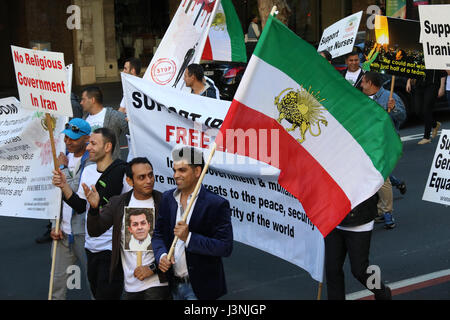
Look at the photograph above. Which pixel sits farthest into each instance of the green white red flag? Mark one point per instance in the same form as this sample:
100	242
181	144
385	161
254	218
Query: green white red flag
336	146
225	40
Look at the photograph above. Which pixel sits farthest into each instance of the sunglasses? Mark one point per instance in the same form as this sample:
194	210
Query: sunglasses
74	128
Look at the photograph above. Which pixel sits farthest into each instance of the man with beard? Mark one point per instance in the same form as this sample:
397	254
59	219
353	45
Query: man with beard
107	178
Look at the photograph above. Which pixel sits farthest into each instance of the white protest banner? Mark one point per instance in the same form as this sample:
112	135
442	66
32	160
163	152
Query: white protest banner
42	81
182	43
435	35
437	188
26	189
264	215
340	37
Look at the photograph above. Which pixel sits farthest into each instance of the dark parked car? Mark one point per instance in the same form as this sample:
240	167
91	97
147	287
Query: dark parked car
226	76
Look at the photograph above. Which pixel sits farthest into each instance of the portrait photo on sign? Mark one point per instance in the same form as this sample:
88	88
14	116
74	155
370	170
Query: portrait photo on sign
139	224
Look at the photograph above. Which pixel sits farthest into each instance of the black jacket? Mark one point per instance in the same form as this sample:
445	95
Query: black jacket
358	81
109	184
362	214
99	221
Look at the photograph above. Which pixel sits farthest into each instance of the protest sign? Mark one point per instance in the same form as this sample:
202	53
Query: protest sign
339	38
42	81
393	47
437	188
435	35
26	189
264	215
182	43
396	8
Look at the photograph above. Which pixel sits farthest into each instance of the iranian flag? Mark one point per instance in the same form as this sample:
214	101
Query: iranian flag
225	40
336	146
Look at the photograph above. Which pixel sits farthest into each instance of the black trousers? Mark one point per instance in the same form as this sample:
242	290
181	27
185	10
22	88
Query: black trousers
424	99
98	266
155	293
357	244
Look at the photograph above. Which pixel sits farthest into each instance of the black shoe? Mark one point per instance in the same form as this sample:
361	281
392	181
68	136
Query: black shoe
379	219
44	238
402	187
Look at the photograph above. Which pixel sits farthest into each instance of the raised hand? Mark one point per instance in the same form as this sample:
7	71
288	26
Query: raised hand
92	195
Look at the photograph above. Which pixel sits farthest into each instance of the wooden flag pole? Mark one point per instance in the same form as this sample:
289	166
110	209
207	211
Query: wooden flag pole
392	89
319	293
50	128
139	258
194	195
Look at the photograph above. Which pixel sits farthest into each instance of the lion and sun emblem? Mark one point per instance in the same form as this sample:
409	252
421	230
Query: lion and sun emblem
303	110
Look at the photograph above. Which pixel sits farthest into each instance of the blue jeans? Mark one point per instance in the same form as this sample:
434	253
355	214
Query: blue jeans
183	291
394	181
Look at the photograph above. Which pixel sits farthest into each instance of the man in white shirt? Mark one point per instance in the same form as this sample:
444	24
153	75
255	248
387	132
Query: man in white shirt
143	282
107	178
353	73
99	116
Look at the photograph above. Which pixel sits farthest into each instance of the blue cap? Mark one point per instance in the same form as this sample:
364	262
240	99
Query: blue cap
76	128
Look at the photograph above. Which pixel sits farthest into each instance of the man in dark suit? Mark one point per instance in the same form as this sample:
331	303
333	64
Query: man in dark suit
195	271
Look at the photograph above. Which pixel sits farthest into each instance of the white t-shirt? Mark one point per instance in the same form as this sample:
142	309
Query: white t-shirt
362	228
104	242
448	84
73	165
352	77
96	121
180	267
123	104
129	259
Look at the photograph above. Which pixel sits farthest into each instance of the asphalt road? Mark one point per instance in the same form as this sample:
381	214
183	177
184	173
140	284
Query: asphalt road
419	245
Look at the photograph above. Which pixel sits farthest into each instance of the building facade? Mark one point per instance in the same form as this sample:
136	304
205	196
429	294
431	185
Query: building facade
98	35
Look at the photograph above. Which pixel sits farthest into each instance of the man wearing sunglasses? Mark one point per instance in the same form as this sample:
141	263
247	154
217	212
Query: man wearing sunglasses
71	235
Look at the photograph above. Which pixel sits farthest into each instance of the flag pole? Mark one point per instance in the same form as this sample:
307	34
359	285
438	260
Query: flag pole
50	128
194	195
392	89
319	293
139	258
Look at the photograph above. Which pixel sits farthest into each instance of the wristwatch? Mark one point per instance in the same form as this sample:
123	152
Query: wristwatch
153	267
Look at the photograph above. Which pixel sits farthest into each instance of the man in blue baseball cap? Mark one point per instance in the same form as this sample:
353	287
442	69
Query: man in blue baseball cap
71	235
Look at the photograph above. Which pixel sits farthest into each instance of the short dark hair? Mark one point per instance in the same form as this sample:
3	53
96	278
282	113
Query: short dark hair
193	156
196	70
327	55
373	77
108	136
143	160
136	64
94	92
138	212
354	52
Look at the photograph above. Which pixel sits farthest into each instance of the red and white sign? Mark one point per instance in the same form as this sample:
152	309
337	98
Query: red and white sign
42	81
182	43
